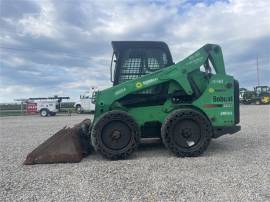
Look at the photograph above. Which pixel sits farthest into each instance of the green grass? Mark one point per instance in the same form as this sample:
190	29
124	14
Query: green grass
4	112
11	113
68	109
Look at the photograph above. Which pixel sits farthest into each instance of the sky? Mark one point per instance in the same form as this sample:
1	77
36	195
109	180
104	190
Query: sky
50	47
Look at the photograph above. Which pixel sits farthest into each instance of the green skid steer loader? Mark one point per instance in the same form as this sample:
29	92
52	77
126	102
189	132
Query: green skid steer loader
186	104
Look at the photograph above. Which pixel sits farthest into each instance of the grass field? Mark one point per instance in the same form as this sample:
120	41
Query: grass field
11	113
15	109
24	113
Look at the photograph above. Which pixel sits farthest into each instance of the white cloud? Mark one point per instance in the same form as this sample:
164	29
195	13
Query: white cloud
233	25
88	83
39	24
16	88
65	45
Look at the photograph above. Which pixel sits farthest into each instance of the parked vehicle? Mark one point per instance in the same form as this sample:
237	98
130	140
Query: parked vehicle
259	95
262	94
86	102
44	106
241	94
152	97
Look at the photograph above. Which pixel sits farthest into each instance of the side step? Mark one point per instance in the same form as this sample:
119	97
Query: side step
69	145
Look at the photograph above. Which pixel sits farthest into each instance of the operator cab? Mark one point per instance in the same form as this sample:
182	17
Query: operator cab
261	89
133	59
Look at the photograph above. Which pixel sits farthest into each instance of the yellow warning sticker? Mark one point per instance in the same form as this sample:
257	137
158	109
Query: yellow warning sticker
211	90
139	84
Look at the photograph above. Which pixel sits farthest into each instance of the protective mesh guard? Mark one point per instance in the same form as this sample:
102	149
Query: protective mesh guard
138	62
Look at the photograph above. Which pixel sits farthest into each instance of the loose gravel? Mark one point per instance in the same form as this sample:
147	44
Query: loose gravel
234	168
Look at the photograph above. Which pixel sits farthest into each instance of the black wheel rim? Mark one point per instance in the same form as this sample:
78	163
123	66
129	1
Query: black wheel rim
187	133
116	135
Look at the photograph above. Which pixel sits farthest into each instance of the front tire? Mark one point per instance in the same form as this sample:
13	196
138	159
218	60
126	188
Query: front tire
116	135
186	132
78	109
44	112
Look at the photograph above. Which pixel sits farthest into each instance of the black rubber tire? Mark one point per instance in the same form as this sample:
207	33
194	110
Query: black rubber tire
42	112
258	102
246	102
178	116
100	144
52	113
78	109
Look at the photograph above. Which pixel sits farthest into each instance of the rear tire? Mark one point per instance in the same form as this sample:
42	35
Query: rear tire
186	132
258	102
246	102
44	112
116	135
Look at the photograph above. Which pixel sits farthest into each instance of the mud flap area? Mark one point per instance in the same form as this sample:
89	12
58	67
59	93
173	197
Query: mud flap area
69	145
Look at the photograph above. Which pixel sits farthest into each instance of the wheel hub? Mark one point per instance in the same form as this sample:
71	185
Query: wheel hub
116	135
186	133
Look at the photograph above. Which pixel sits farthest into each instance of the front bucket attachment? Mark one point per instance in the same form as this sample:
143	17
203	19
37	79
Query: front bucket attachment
68	145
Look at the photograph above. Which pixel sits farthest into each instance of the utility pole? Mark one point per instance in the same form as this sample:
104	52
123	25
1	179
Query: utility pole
258	73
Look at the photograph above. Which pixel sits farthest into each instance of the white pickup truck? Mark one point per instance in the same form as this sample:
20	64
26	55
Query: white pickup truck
85	104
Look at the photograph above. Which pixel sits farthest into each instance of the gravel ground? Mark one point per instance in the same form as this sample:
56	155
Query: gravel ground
234	168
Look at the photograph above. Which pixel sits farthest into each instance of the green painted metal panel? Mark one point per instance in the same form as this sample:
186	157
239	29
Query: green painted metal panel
217	92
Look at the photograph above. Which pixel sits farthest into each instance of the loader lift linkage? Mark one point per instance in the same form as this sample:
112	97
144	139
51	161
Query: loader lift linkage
185	104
